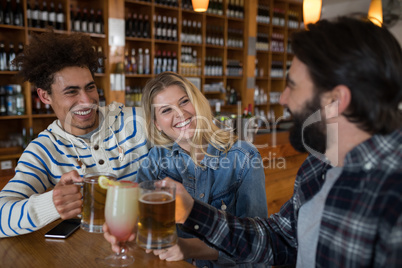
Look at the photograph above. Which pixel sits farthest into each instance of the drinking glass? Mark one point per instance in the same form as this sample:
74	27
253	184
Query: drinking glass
93	209
121	217
156	223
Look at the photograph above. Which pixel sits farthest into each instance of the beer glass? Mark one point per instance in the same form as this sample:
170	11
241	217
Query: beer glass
121	218
156	224
93	210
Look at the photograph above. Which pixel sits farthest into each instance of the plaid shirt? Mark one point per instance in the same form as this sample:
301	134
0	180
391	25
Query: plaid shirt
361	225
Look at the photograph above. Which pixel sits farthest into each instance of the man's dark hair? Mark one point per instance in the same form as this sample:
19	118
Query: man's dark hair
362	56
48	53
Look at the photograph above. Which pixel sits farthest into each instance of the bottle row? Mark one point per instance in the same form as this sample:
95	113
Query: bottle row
7	56
12	101
137	63
86	21
133	96
137	26
41	17
11	14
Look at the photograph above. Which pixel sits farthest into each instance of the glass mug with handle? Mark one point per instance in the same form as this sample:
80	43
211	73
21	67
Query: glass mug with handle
156	223
94	198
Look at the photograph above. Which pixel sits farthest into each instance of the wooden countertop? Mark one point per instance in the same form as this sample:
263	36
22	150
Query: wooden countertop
78	250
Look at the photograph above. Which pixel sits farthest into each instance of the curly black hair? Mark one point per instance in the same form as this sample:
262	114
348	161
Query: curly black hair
48	53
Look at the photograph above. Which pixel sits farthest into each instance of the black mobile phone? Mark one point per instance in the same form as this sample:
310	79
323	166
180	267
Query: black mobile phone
64	229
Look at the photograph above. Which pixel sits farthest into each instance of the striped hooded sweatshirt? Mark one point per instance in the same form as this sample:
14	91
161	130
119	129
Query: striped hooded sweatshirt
118	146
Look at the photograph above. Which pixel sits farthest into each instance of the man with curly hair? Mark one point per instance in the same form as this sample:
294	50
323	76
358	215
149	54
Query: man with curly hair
84	139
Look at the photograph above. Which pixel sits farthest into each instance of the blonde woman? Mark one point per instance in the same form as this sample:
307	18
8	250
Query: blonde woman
211	163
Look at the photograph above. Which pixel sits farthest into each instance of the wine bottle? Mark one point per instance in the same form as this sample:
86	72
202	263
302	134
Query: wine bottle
99	22
35	15
18	16
44	17
52	16
8	14
91	21
84	20
60	19
11	57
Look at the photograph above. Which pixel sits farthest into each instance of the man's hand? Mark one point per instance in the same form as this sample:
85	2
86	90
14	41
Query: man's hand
184	202
67	196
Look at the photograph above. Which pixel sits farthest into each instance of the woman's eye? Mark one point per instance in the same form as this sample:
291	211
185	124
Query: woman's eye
185	101
166	110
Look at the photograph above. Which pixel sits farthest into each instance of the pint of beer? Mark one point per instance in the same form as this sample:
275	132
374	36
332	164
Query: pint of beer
156	224
94	197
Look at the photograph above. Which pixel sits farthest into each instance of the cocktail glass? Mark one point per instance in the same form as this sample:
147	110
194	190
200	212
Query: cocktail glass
121	217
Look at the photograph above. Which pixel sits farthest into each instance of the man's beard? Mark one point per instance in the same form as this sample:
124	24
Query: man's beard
315	135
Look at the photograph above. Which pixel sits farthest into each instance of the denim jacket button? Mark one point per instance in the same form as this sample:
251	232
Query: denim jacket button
196	227
202	195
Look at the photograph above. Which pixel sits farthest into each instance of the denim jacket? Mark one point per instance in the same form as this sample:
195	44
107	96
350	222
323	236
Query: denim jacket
232	181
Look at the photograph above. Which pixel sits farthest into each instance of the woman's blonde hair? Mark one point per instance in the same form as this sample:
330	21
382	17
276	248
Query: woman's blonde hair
206	130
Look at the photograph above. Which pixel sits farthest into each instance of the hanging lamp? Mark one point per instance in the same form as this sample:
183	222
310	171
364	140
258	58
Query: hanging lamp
311	11
375	12
200	5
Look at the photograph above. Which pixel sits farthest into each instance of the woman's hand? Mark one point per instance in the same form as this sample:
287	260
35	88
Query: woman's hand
113	240
174	253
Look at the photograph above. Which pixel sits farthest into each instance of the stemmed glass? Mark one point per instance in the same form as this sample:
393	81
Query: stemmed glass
121	217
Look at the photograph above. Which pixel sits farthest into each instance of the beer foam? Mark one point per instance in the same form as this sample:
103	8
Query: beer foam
156	202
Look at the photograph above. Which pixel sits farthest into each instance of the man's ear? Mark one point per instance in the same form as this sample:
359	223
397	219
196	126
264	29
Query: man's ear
44	96
336	101
342	94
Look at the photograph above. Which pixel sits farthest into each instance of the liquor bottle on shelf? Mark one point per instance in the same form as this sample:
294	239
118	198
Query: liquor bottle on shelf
3	58
18	15
84	20
1	14
11	101
11	57
102	99
3	101
134	28
19	100
36	102
147	62
77	19
174	62
147	31
60	18
101	67
140	61
127	63
52	16
140	26
129	25
8	14
134	66
20	51
72	18
29	14
91	21
35	15
99	23
44	15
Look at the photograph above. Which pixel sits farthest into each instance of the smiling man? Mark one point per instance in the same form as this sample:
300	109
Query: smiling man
84	139
344	89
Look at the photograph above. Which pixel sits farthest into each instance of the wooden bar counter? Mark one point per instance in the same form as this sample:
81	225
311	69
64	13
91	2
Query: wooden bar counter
79	250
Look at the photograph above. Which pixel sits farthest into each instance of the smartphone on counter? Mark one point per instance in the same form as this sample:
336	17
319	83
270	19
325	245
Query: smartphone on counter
64	229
